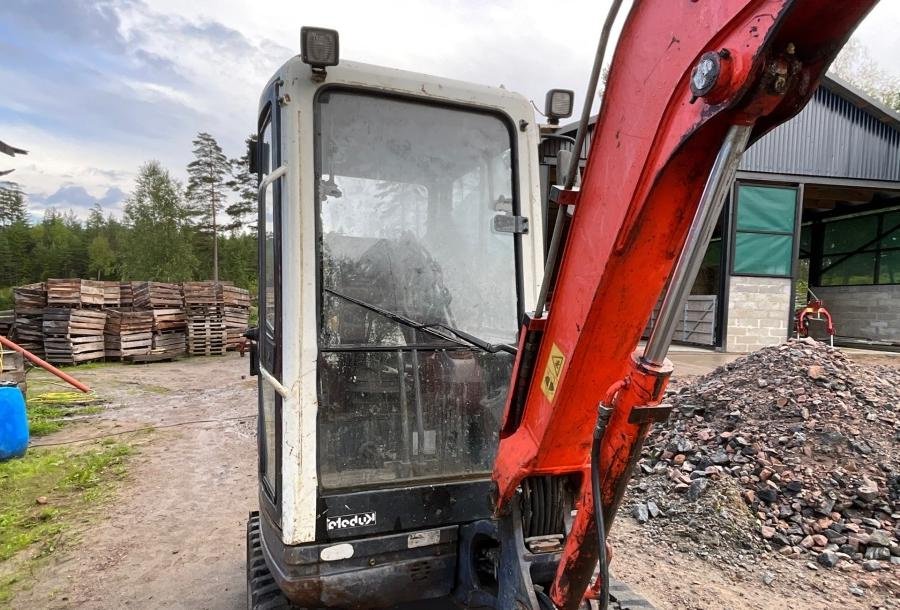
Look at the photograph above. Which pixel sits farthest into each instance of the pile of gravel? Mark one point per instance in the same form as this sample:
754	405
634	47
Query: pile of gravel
793	448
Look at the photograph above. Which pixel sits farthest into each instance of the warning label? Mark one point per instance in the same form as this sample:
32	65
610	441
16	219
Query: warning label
552	371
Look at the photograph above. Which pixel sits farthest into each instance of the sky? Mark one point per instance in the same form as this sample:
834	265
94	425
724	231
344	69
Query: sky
94	88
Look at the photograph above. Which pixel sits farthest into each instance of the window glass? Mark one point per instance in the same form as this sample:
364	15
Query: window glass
763	254
766	208
805	241
267	299
845	236
854	270
889	267
408	197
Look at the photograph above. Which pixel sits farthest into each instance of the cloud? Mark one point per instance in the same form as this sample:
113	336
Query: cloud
94	88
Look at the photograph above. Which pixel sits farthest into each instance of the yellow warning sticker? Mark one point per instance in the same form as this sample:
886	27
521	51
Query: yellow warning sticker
552	372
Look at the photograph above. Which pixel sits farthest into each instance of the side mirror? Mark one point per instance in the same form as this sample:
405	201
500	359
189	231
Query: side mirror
252	335
253	156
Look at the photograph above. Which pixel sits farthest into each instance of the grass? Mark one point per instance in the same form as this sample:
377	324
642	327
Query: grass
48	411
43	494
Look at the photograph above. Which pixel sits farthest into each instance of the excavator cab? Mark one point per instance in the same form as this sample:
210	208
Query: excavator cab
396	261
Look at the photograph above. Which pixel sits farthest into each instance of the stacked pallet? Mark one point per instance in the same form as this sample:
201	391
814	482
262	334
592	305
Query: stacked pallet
128	333
7	317
73	335
236	306
12	368
126	296
112	294
156	295
74	293
29	302
205	319
169	331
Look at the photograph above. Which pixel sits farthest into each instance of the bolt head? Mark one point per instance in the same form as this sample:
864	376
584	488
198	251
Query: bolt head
706	74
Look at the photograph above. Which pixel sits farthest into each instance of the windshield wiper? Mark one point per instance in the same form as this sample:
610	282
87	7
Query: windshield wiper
458	337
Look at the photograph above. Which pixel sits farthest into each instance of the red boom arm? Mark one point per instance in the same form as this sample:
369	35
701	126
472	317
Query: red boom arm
652	152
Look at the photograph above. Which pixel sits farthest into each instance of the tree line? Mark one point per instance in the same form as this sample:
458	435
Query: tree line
168	231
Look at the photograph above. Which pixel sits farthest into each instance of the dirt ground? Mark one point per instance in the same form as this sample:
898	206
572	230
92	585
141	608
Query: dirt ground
174	537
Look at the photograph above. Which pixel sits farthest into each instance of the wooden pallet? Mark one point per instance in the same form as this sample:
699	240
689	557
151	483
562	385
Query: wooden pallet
169	319
128	333
170	342
73	292
156	295
112	294
30	298
7	318
126	294
28	331
73	335
200	293
234	296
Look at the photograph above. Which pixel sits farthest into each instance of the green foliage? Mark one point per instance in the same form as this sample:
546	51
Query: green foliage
856	65
47	411
44	493
206	194
160	237
164	235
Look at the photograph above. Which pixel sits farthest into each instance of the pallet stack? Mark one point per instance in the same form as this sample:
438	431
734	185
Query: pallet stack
29	302
7	318
156	295
128	333
12	368
126	296
236	306
74	293
112	294
205	319
73	335
169	327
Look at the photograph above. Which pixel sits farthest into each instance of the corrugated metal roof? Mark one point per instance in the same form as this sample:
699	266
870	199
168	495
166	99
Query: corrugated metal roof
830	137
842	133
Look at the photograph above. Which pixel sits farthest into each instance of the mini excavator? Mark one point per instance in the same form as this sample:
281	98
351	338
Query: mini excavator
451	393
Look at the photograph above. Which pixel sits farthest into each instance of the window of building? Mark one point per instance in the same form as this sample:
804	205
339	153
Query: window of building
862	250
764	232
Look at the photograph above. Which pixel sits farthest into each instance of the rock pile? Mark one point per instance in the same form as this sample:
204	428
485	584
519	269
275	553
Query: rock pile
792	448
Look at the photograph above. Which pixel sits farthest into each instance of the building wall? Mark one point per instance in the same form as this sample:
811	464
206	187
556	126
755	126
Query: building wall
758	309
869	312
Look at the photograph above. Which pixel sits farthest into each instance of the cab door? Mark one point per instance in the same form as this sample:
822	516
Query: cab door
270	307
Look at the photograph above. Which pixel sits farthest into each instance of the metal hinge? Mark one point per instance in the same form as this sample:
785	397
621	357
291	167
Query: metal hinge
507	223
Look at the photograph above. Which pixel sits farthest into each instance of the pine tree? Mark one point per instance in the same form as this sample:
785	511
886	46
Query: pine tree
159	238
245	186
12	204
206	190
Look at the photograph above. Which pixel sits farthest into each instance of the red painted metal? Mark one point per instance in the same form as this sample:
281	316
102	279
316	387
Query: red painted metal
815	309
45	365
650	157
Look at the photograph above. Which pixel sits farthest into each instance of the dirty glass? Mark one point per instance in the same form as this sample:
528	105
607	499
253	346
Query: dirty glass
846	236
408	194
268	397
853	270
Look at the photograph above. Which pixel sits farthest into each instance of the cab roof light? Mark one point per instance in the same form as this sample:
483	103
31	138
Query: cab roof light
558	105
319	47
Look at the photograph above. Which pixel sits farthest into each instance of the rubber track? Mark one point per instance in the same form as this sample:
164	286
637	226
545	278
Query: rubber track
623	598
262	592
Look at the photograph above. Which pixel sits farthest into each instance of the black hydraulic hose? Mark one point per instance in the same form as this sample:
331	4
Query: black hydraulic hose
572	173
598	518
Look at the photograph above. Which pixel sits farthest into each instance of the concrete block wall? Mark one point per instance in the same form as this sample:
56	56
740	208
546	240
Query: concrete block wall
758	310
866	312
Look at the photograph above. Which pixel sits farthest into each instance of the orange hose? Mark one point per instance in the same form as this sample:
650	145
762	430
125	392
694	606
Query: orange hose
45	365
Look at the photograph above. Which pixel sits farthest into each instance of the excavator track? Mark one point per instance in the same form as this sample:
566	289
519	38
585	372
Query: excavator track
264	594
262	591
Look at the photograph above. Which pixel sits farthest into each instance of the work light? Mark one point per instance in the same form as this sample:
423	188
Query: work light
318	47
558	105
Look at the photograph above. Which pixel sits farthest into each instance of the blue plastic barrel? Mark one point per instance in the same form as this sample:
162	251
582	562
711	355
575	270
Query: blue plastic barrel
13	423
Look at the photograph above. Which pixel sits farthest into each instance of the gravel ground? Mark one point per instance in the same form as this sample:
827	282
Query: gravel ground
174	538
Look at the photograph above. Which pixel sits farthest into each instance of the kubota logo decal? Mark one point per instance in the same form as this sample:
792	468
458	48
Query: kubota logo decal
552	371
348	521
